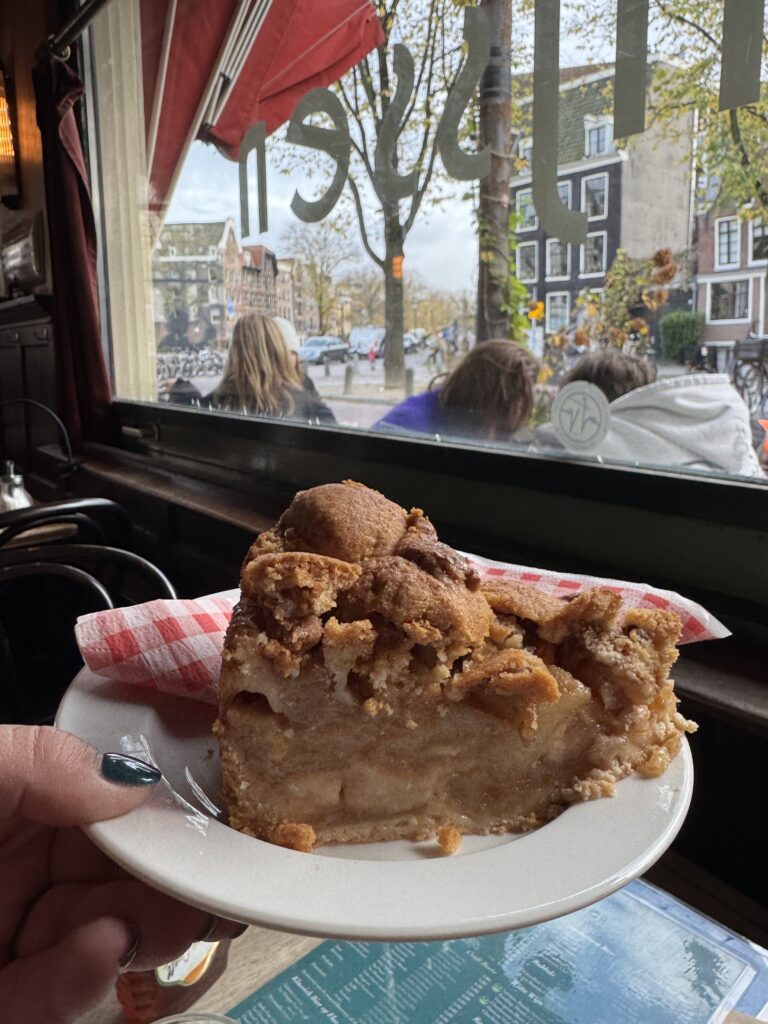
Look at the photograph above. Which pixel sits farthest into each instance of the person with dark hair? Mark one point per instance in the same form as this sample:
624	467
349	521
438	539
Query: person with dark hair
488	396
612	371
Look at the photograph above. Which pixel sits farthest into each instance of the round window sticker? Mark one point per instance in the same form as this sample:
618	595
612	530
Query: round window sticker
580	415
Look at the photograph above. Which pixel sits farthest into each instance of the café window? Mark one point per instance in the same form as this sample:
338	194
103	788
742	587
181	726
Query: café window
380	230
727	231
758	240
594	196
729	300
593	254
557	311
527	262
526	214
558	259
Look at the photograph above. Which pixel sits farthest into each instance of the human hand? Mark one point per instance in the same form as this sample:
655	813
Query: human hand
70	918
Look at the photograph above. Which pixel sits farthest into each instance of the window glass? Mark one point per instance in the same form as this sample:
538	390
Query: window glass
728	242
593	260
526	214
558	258
596	196
557	311
759	241
527	253
730	300
331	234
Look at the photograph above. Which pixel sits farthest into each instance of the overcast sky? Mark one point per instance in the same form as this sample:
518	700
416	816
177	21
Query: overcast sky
442	245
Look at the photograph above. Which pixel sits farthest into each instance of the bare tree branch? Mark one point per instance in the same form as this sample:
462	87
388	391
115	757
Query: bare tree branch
361	223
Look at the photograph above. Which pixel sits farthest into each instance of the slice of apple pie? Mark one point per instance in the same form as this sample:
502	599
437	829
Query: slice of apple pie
372	689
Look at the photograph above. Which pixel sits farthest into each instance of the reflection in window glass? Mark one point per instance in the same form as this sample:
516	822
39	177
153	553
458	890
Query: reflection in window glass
596	196
730	301
759	241
557	311
526	214
527	254
558	258
381	248
593	254
728	242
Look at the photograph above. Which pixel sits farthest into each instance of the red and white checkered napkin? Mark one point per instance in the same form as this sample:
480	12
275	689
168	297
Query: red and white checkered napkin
175	646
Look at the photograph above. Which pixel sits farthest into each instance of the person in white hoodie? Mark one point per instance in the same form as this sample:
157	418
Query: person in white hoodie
697	421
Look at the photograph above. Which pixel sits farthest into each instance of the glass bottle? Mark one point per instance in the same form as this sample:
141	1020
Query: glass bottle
148	996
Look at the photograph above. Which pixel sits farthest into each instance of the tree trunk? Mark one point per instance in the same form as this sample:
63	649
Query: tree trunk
394	307
493	210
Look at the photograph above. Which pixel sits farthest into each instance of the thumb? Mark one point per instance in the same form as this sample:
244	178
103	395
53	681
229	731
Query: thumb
54	778
60	984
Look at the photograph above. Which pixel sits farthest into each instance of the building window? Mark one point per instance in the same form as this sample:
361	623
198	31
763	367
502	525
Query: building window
526	213
558	259
213	273
726	243
593	254
557	312
594	196
759	241
598	133
525	150
564	193
729	300
527	262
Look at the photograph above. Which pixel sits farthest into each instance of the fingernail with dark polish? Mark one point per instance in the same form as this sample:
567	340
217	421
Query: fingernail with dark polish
128	957
240	931
129	771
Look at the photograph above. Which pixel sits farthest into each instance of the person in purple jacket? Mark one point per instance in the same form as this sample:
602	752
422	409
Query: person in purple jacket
488	397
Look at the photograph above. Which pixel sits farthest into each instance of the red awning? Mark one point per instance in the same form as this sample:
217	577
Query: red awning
212	68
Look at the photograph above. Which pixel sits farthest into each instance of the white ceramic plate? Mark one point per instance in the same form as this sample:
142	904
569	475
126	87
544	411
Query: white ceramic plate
385	891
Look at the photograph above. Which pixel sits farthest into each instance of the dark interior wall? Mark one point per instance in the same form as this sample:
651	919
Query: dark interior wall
23	27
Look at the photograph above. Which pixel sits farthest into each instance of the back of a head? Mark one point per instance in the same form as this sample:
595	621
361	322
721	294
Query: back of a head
289	333
491	389
260	370
612	371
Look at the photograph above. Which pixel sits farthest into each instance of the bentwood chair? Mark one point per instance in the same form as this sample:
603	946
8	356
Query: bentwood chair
43	591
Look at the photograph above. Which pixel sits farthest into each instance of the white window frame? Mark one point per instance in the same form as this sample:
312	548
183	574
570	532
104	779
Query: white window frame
535	225
752	262
548	276
569	185
583	253
522	144
552	295
730	279
535	278
727	266
592	177
592	121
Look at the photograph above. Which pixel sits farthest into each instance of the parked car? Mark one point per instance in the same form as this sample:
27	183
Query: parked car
411	342
324	348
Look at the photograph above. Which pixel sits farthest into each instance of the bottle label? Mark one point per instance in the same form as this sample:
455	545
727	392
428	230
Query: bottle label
190	967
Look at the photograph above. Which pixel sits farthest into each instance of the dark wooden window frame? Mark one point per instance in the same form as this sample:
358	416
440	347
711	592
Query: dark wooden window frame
704	537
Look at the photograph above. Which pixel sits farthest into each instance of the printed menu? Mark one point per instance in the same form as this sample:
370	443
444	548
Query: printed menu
637	956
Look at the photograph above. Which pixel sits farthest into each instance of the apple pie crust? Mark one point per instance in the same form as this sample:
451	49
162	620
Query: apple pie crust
373	689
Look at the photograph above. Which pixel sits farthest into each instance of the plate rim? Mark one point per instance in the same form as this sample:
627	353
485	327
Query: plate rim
106	835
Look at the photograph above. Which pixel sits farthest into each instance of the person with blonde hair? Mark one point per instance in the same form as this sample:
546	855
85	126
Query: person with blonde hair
488	396
261	377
